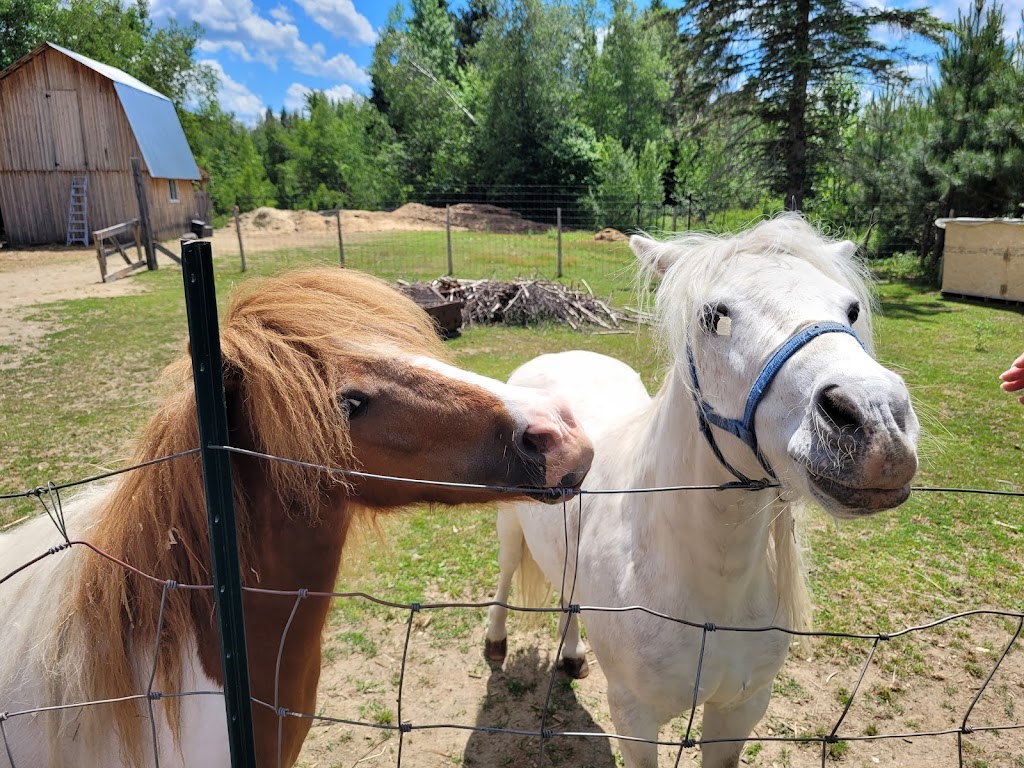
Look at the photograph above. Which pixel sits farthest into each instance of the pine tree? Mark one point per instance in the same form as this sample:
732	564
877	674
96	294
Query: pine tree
769	59
975	157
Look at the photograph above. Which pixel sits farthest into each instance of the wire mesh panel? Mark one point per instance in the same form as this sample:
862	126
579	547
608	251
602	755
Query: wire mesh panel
397	696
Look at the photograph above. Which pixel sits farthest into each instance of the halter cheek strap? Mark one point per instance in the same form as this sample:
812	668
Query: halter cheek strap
744	428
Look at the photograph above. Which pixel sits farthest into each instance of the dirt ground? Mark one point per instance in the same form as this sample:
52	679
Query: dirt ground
448	682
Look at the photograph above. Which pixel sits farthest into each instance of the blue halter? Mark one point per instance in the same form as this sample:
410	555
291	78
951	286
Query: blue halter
744	429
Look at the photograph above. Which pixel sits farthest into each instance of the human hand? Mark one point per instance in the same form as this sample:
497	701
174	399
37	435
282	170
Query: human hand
1013	379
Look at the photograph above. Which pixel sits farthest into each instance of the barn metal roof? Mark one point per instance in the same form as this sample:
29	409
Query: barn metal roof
153	119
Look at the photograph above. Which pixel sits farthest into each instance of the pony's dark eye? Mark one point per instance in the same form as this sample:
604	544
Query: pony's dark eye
354	404
853	312
714	318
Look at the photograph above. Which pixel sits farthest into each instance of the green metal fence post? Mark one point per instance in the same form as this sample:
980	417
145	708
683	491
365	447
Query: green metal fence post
207	375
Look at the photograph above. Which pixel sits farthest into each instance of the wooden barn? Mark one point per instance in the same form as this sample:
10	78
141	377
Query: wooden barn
69	128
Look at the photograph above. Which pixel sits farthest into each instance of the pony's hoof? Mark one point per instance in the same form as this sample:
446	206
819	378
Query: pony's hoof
495	650
575	668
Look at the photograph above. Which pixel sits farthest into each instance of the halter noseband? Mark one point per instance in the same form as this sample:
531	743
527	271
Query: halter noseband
744	428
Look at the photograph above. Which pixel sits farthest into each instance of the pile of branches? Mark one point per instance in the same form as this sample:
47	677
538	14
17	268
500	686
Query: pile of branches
525	302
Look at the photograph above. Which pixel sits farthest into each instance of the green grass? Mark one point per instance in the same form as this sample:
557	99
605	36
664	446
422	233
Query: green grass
72	406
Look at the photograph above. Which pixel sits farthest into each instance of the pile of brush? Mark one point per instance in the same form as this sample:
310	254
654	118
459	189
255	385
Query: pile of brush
525	302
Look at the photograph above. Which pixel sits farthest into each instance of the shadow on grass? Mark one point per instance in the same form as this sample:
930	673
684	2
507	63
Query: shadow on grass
515	700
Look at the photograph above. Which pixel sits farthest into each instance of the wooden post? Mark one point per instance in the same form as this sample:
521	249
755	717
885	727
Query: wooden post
147	232
448	230
341	243
101	258
558	224
238	231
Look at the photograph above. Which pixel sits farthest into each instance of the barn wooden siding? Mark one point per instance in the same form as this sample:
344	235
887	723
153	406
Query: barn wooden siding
59	119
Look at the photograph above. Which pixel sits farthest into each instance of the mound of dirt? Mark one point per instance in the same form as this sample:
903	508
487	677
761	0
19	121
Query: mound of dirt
473	217
275	221
610	235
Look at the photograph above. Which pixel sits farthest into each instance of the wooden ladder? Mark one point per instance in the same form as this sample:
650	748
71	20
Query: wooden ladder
78	211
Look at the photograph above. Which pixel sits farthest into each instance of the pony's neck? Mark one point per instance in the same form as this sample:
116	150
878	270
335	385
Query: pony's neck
733	526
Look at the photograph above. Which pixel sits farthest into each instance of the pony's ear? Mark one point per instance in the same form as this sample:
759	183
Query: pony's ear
652	255
230	371
232	376
844	249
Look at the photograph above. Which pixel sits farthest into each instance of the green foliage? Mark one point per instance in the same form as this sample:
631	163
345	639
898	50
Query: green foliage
975	158
224	148
773	61
426	98
627	87
626	184
527	132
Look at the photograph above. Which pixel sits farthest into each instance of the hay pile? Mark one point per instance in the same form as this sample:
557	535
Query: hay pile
525	302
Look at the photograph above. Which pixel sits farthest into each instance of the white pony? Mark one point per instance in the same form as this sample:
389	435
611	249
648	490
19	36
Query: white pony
772	328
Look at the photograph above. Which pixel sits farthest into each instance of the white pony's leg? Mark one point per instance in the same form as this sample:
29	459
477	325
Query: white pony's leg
731	723
510	553
574	650
633	718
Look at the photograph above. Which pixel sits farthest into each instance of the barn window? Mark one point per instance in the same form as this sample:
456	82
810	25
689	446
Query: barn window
172	186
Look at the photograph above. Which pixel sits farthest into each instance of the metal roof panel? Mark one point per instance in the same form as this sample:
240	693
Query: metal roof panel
159	133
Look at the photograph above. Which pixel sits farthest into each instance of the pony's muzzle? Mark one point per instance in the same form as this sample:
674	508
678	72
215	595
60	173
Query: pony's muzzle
554	441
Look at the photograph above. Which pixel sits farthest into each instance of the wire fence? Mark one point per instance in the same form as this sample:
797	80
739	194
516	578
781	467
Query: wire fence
542	728
494	233
543	732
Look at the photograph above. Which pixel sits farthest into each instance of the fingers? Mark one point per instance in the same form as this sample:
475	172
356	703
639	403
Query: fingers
1013	378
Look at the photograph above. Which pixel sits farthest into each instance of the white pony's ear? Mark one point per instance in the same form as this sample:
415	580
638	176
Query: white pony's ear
651	254
844	249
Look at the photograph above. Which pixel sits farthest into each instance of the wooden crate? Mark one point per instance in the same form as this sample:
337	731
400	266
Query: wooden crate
447	316
983	258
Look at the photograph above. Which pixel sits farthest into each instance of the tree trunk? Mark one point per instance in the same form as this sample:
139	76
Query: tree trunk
795	147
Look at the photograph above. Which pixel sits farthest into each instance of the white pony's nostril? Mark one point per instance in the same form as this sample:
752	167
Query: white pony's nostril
838	410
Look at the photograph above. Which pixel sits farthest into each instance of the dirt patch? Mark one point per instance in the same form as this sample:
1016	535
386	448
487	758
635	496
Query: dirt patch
37	276
448	683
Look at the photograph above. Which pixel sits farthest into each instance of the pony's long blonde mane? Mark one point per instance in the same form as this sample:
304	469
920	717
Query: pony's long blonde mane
285	341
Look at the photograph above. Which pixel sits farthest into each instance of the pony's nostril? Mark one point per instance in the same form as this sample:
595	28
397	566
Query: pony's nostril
838	411
536	445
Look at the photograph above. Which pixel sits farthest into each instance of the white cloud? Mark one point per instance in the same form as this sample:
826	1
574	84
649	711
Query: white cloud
235	97
239	28
213	46
340	18
281	14
295	97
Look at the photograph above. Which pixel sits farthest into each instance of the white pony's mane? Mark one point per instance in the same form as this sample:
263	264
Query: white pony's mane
689	282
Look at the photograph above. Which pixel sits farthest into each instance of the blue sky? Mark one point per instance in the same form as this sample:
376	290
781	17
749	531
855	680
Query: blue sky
272	52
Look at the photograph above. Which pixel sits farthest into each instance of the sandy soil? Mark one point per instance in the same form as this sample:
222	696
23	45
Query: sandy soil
448	682
40	276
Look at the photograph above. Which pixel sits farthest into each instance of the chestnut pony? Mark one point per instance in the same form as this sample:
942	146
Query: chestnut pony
329	367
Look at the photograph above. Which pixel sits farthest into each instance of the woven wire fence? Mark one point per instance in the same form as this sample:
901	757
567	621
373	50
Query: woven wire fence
544	733
505	232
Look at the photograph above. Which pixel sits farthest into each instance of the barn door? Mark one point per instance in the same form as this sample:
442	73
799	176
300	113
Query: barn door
66	119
